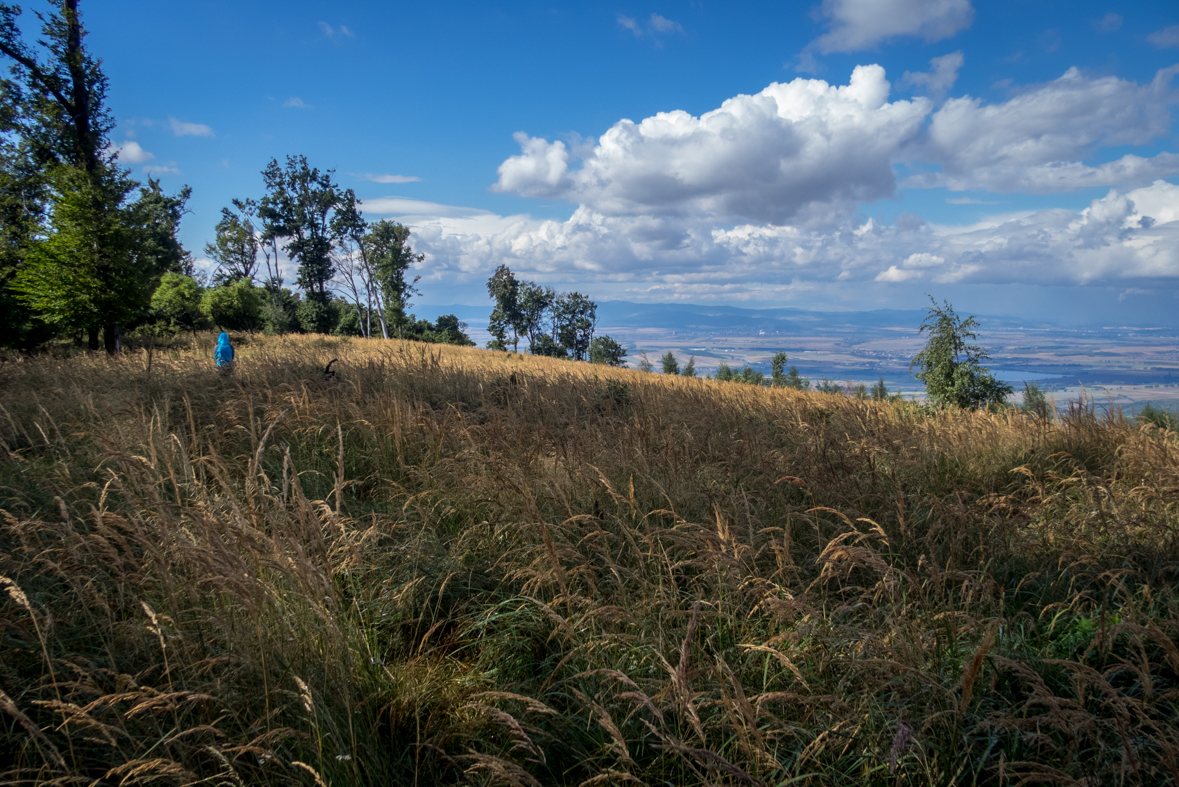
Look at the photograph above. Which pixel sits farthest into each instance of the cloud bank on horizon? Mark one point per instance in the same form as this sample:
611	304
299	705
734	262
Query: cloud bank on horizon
764	192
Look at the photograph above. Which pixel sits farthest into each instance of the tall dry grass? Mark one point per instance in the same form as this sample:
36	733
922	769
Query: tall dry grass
454	566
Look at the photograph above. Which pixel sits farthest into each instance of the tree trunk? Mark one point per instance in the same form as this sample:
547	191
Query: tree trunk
92	336
110	339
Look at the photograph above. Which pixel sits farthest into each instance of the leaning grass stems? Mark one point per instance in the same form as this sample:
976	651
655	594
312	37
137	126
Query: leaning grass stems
449	566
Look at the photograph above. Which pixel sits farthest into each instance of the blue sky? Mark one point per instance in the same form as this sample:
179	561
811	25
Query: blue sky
1008	155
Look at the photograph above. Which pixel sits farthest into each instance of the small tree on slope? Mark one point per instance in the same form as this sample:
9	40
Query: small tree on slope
952	369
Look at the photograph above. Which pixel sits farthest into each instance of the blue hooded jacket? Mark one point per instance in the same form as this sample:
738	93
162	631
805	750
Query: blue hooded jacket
224	353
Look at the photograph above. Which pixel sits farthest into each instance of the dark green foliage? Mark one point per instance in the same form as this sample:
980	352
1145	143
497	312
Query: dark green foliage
22	200
547	346
447	329
101	259
794	380
316	313
386	246
829	387
574	318
450	330
879	391
605	350
860	391
280	311
155	220
78	254
670	364
777	367
234	307
558	325
235	248
1035	402
952	369
299	207
177	301
59	96
534	303
506	316
349	322
747	376
1158	417
689	369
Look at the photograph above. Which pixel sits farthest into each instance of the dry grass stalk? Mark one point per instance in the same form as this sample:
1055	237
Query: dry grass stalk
446	531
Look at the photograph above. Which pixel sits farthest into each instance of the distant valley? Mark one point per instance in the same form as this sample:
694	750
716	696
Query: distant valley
1117	365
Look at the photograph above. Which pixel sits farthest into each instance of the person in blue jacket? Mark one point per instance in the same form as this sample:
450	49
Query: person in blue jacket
223	355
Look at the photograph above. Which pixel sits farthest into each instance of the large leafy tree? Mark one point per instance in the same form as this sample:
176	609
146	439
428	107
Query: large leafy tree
101	256
506	316
951	367
299	207
23	195
91	257
234	248
534	304
574	318
62	91
154	218
53	114
354	268
387	249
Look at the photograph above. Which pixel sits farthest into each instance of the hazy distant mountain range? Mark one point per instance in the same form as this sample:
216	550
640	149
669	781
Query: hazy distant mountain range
703	320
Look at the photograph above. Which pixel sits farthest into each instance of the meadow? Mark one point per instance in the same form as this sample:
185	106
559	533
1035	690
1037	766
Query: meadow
452	566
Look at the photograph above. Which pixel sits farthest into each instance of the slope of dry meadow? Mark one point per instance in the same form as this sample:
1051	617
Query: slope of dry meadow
453	566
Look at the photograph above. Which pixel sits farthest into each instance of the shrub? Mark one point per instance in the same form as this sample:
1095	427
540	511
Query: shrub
234	307
177	300
1158	417
605	350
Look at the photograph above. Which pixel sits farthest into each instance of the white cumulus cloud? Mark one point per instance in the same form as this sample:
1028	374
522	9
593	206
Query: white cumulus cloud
1125	239
791	148
808	150
862	24
130	152
761	195
1036	142
924	260
895	274
183	129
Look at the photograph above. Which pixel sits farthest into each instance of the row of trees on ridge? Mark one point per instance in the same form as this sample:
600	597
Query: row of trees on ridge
555	324
87	252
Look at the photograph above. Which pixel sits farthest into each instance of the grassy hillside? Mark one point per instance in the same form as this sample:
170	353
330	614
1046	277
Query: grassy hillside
453	566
